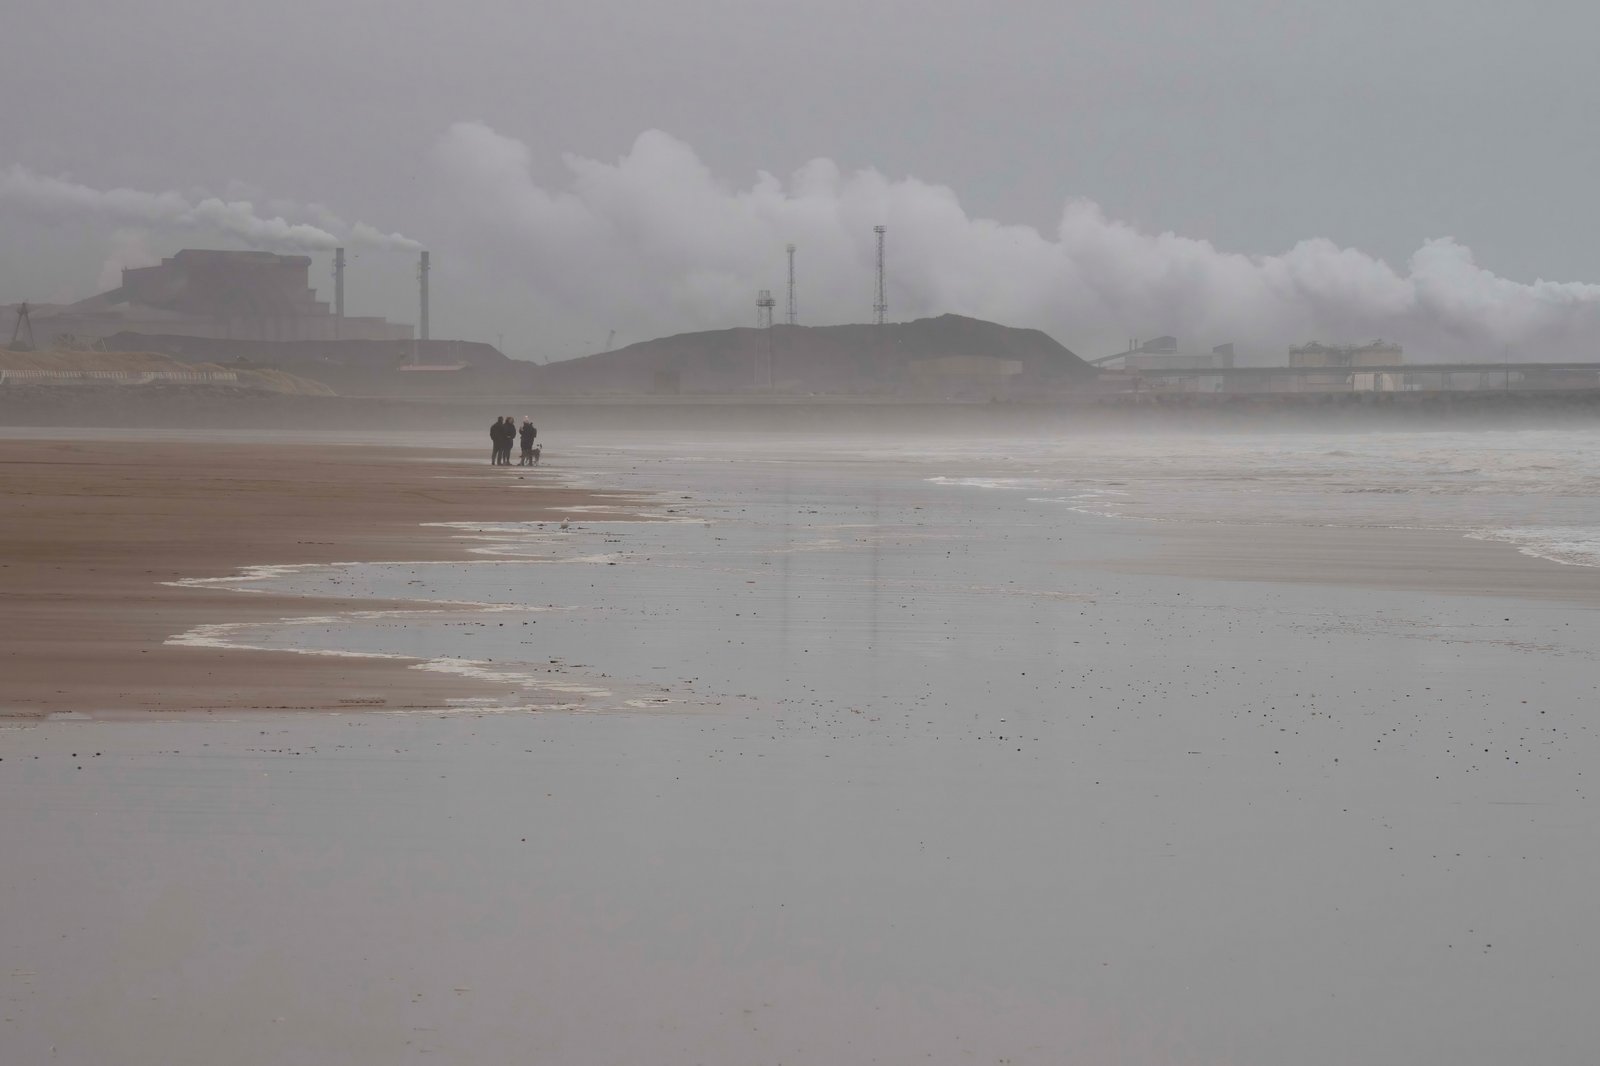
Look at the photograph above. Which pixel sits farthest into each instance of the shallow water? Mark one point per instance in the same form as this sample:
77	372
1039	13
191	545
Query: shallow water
862	553
860	760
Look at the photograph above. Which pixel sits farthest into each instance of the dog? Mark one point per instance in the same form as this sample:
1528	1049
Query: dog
537	449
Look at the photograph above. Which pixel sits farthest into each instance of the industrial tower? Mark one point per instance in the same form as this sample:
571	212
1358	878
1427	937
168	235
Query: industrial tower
22	332
880	308
422	286
338	291
764	305
792	314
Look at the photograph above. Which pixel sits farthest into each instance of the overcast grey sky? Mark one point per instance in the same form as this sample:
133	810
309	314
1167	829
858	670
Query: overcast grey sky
1253	126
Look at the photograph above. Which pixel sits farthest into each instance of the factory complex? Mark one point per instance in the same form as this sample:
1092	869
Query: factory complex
223	295
256	309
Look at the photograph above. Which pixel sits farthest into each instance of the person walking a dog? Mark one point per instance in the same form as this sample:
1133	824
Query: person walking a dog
528	434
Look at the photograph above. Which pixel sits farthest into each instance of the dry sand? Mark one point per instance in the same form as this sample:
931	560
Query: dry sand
91	532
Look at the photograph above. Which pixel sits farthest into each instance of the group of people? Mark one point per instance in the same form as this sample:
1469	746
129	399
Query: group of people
504	433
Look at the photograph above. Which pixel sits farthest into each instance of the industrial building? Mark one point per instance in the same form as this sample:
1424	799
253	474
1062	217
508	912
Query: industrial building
223	295
1162	353
1375	367
1374	353
1367	367
1158	365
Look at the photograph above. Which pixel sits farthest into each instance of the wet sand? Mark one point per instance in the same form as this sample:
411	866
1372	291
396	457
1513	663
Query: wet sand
1430	561
945	778
91	532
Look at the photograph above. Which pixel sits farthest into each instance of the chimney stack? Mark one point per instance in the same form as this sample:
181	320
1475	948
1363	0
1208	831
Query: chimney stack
422	278
338	290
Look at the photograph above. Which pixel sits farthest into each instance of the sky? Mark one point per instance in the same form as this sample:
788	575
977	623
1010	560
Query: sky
1263	173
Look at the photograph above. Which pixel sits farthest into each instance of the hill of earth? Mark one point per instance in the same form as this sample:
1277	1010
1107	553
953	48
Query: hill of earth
949	357
946	357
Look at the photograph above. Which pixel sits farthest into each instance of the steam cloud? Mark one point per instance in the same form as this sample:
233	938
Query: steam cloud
171	210
657	231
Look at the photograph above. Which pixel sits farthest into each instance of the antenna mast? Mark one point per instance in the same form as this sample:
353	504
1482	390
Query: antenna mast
880	308
24	326
792	314
764	305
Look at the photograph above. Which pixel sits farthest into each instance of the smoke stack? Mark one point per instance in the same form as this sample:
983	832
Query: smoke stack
790	249
880	308
338	290
422	279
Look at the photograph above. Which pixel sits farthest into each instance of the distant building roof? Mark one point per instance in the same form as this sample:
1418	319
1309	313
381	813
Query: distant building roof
433	368
220	294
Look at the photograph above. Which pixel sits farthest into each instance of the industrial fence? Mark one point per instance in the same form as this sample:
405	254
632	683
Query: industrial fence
116	377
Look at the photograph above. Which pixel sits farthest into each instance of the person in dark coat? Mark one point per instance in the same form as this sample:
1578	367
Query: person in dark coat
528	434
508	437
496	438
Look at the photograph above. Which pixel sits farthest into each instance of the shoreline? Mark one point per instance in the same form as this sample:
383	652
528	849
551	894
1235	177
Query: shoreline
95	538
111	551
224	409
1428	561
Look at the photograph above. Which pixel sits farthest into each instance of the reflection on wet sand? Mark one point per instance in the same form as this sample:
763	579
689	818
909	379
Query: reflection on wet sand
889	768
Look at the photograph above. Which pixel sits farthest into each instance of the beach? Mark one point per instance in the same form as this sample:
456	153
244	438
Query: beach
1412	560
93	534
1209	750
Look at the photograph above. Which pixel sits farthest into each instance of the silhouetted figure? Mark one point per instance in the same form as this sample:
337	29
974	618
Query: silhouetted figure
528	434
508	437
497	439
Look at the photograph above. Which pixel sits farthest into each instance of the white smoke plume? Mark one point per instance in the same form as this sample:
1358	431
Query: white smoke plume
57	197
656	243
129	248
